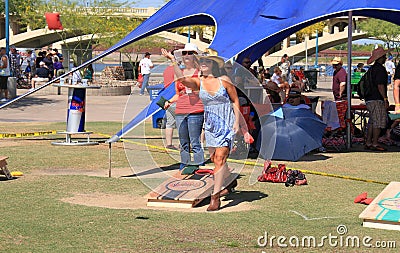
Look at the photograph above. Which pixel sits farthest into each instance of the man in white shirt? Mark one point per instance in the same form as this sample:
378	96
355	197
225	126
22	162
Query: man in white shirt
390	67
144	67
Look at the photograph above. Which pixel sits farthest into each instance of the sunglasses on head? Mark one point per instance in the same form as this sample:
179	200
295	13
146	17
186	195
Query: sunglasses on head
207	61
187	52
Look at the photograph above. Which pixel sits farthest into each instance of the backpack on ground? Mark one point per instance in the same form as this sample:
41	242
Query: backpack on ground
364	85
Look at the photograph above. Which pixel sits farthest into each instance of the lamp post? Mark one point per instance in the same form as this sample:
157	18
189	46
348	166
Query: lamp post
305	43
316	51
7	25
188	34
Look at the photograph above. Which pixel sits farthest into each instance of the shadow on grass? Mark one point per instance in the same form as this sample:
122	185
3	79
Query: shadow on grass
314	157
237	197
6	179
174	166
29	101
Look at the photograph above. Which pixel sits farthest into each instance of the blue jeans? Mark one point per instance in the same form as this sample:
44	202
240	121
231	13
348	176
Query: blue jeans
145	83
189	130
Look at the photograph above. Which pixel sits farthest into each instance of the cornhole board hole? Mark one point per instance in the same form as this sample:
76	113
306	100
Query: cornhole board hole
183	191
3	167
384	211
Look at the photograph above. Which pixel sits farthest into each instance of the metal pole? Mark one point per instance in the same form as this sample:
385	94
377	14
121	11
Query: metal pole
316	51
188	34
7	25
349	69
109	159
305	42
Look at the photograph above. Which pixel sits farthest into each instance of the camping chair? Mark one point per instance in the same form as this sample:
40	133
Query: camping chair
334	115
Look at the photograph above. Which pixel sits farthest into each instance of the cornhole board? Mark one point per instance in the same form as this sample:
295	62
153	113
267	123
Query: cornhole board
3	167
384	211
394	116
183	191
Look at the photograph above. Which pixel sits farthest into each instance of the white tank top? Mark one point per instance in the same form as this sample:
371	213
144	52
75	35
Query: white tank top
5	71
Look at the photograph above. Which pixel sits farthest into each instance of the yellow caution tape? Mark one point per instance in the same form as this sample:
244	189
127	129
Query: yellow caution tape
31	134
262	165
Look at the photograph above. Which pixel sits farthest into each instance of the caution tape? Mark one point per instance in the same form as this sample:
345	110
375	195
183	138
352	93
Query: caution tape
31	134
139	143
262	165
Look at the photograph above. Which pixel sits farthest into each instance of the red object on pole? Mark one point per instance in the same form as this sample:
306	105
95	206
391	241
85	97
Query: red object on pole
53	21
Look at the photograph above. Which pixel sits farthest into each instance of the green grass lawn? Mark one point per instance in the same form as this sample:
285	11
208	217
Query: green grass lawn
36	219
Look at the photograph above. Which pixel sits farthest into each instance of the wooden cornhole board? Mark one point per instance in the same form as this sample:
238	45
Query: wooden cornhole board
3	167
384	211
183	191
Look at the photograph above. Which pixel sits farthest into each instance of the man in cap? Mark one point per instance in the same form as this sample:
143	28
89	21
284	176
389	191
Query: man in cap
339	79
144	68
15	60
377	100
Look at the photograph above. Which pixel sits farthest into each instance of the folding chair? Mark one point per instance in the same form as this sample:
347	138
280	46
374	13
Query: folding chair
334	115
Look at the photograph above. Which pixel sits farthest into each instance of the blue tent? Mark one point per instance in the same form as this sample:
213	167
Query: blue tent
250	28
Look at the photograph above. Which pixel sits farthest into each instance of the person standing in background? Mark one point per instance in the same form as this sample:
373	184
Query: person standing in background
396	89
390	67
145	65
339	80
169	77
4	73
15	62
377	100
284	65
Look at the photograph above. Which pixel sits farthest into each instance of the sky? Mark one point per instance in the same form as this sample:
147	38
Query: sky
149	3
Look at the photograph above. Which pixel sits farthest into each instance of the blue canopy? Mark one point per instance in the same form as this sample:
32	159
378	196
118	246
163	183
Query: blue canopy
250	28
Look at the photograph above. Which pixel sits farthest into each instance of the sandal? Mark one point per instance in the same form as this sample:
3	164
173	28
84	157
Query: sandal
171	147
378	148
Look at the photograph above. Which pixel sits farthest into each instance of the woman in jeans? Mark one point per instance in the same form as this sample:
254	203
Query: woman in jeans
189	112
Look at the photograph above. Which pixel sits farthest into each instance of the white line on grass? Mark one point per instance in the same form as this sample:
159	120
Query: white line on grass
306	218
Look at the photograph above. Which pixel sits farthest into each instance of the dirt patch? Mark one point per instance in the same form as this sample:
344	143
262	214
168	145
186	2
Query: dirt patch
119	201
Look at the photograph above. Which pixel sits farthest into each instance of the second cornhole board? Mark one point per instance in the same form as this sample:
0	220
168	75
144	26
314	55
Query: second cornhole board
384	211
182	191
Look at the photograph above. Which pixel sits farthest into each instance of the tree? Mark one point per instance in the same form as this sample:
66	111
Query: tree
94	22
309	31
382	30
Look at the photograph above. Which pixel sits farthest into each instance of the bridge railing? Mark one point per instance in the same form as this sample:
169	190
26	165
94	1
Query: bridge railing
145	12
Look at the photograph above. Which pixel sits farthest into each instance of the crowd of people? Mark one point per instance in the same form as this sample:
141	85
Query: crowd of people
30	67
383	76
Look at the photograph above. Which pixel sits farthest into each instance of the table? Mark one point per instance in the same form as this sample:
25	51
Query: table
76	115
